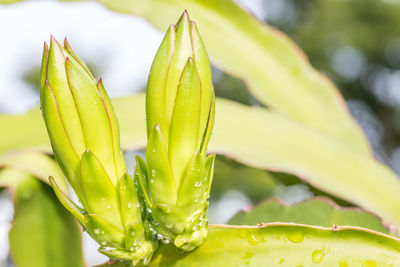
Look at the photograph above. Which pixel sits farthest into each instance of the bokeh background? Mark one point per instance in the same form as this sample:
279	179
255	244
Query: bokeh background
355	43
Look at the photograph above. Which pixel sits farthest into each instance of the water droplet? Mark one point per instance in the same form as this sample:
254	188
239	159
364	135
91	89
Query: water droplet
318	255
152	181
165	240
148	210
154	150
198	170
103	242
153	172
108	206
197	184
132	248
132	233
253	240
295	237
169	225
247	257
130	205
97	231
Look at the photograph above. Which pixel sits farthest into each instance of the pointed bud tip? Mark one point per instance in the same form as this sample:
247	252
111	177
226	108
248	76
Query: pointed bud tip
157	127
53	41
66	44
184	18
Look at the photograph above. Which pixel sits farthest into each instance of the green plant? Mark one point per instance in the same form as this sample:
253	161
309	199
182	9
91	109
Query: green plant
295	135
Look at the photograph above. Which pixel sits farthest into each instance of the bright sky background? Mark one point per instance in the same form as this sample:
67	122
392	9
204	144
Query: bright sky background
122	45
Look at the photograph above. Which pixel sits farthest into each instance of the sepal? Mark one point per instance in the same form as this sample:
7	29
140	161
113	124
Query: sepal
103	232
68	203
100	194
184	131
161	180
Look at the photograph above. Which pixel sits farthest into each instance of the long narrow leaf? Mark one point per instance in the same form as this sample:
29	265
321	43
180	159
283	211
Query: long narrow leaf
266	140
279	244
273	67
43	233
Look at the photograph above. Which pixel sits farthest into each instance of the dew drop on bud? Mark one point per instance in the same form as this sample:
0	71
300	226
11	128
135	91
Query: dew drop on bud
104	243
97	231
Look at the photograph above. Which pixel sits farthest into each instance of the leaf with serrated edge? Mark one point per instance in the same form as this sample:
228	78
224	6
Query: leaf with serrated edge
319	211
285	244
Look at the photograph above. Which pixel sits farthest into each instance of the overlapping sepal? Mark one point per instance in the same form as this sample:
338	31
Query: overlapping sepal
175	182
84	134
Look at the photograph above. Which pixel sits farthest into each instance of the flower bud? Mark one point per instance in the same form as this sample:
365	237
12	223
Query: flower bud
176	182
84	135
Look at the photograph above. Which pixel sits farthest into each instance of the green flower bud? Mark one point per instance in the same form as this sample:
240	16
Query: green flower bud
84	135
176	182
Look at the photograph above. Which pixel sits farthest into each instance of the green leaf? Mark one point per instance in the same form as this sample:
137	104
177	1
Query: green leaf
276	71
266	140
16	137
279	244
318	211
257	185
43	233
37	164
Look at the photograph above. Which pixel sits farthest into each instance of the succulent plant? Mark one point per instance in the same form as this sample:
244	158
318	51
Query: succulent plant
84	135
175	181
